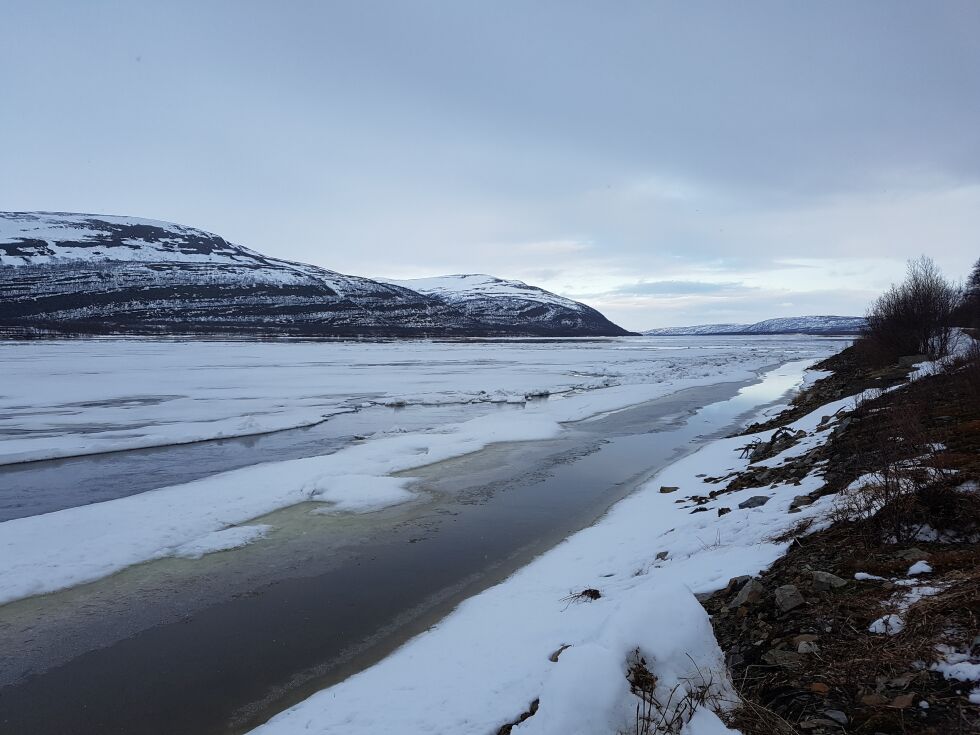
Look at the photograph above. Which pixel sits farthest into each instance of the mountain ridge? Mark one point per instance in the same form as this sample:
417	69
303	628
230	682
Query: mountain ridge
815	325
86	273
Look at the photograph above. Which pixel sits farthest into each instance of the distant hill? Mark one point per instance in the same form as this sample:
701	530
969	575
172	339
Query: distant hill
784	325
86	273
499	303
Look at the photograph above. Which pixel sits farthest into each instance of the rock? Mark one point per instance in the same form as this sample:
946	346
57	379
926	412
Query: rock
804	638
788	597
799	501
874	700
751	592
903	701
668	489
824	581
818	687
754	502
807	647
661	555
554	657
836	715
724	511
913	554
901	682
735	584
700	509
787	659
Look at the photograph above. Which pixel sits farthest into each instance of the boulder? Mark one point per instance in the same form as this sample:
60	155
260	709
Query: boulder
788	597
735	583
751	592
799	501
754	502
824	581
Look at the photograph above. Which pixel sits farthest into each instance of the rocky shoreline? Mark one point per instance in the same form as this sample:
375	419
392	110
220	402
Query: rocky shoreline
869	622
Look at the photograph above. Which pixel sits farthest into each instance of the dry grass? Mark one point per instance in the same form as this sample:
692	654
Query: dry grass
920	445
665	716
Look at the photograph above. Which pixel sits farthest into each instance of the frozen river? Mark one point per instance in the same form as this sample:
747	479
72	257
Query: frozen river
487	473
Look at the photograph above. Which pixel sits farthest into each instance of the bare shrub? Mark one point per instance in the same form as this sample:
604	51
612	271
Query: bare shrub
970	311
915	317
657	716
897	456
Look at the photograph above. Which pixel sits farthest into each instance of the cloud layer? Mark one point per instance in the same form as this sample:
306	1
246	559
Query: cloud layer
671	162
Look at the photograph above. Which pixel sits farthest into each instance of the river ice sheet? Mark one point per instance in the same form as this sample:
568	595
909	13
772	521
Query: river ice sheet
69	398
100	390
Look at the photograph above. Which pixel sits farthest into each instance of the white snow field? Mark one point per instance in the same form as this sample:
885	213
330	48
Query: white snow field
73	397
70	398
483	665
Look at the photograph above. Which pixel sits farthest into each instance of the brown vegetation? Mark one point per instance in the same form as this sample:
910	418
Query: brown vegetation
814	666
917	316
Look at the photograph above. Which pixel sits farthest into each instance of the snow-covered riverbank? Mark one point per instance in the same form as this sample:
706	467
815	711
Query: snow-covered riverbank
537	638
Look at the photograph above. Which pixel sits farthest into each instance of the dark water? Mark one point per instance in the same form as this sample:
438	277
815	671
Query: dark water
42	487
221	644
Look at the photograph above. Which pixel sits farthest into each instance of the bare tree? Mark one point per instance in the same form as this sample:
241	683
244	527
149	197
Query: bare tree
971	298
917	315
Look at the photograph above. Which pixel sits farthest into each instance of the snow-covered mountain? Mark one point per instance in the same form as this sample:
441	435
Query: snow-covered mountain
98	273
697	329
783	325
496	301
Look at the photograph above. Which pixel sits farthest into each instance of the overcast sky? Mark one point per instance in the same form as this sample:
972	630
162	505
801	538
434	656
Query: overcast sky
666	162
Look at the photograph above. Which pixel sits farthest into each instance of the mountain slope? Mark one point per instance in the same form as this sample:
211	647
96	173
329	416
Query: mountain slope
697	329
96	273
496	301
782	325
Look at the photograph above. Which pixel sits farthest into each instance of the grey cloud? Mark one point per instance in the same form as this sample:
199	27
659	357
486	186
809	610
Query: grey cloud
681	141
675	288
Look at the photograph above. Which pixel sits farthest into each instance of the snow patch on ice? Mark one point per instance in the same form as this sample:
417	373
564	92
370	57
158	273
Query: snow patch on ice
224	540
48	552
359	493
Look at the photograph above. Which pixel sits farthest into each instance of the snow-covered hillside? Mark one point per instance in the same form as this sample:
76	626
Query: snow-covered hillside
469	286
783	325
100	273
497	301
697	329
